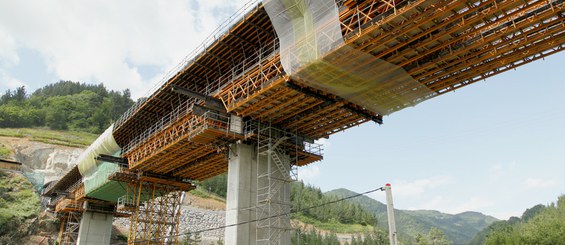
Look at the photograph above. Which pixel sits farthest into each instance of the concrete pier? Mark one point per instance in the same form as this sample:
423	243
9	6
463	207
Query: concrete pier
242	195
95	228
242	205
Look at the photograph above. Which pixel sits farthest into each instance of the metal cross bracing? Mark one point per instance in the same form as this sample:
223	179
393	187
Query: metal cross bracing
300	148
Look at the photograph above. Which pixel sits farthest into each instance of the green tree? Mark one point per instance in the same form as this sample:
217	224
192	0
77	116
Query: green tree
539	225
64	105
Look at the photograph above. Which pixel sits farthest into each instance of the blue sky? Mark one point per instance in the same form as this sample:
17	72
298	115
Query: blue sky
497	146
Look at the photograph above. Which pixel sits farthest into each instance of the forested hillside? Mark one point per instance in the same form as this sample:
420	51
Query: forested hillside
304	196
459	229
345	212
337	217
538	225
64	105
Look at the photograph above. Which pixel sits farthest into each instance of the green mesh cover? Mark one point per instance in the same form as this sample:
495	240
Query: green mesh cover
109	191
97	185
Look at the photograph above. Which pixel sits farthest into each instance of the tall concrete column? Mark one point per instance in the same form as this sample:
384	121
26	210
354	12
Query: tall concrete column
242	195
95	228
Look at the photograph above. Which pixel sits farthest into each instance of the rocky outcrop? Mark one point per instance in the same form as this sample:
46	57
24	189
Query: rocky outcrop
52	161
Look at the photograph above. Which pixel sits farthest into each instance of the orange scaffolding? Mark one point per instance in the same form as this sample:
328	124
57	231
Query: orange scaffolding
153	205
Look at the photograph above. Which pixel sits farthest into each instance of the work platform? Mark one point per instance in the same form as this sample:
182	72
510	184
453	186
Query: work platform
277	78
439	45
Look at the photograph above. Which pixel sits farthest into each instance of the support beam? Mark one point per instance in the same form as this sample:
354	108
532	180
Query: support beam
375	118
213	103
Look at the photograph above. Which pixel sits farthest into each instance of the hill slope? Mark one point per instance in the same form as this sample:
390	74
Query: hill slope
459	228
18	206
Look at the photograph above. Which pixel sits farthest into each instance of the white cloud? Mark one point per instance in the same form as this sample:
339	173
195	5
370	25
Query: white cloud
309	174
499	170
107	41
8	58
8	54
431	204
472	204
8	82
541	183
419	186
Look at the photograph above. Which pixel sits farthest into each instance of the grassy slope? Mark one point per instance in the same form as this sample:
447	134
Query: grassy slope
4	152
460	228
66	138
18	203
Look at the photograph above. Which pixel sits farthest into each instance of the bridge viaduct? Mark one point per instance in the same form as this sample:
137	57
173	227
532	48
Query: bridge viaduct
253	99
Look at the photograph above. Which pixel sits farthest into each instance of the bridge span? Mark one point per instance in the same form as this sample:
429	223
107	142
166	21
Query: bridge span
277	76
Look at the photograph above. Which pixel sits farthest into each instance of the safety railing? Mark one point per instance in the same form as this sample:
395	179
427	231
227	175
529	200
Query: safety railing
314	148
180	111
68	205
186	128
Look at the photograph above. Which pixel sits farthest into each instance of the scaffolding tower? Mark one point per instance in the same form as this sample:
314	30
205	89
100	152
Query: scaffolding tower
70	224
276	169
154	208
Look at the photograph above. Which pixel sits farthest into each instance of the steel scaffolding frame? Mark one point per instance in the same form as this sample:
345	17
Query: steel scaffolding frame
70	224
154	210
273	183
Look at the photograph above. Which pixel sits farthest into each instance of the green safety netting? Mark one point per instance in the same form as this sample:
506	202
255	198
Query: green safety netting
37	179
97	184
375	84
